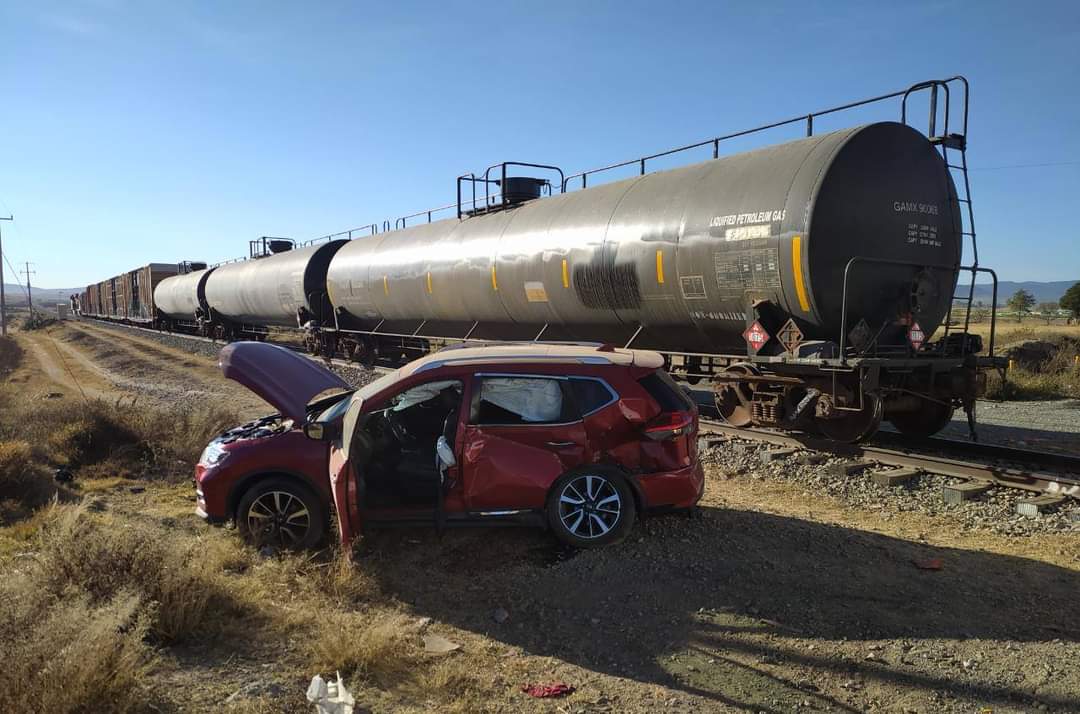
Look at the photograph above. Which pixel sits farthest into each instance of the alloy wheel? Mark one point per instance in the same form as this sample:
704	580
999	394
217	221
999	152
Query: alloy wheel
280	516
589	506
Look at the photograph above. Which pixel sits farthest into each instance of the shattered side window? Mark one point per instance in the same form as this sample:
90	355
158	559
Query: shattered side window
424	392
521	400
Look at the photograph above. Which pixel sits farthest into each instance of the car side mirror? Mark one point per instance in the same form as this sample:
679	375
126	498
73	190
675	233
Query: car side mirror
445	453
316	431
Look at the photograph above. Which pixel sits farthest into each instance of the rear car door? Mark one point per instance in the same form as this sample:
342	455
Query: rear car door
523	432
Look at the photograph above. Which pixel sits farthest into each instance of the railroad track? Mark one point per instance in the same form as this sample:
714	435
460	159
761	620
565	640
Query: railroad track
1054	477
199	338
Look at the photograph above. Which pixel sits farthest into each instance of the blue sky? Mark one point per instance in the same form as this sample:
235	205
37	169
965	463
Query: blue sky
133	132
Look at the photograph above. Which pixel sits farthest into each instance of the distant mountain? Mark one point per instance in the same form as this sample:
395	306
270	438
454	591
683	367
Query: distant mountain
1043	292
16	294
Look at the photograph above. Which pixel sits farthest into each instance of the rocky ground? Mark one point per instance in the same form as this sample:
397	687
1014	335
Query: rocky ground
994	510
1050	425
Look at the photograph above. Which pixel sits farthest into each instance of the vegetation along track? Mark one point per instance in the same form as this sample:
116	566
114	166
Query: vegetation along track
1056	477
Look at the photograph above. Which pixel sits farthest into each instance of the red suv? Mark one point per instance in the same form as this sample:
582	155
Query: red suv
265	475
578	439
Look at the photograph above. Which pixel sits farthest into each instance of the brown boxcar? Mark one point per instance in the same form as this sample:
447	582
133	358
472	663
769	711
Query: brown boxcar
138	290
128	297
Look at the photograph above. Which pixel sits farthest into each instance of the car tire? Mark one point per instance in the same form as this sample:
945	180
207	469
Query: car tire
606	513
281	513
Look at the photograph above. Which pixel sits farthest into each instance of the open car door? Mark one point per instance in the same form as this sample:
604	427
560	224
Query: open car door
392	468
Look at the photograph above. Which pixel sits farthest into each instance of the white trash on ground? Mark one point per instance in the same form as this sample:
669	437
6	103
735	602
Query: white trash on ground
330	697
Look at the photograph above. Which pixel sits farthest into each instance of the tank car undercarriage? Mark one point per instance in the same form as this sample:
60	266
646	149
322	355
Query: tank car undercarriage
841	399
847	401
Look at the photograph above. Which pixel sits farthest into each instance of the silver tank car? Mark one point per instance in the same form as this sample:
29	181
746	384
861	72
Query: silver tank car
180	296
283	289
689	253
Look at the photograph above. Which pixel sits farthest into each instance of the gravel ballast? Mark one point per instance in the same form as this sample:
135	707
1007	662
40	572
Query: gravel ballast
994	510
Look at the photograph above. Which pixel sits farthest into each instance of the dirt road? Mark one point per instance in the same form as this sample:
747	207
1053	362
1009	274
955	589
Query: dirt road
108	363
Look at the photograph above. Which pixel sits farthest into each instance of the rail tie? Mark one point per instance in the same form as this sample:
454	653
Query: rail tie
980	474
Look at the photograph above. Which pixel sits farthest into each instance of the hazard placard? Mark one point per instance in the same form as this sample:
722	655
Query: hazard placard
916	336
756	336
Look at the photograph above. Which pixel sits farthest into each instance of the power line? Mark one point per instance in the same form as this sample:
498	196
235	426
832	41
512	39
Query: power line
29	293
1025	166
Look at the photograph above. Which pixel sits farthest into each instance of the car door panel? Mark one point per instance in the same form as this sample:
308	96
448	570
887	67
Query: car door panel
514	466
347	487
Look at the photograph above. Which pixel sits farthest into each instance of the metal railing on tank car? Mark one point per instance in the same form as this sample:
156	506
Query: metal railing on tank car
931	86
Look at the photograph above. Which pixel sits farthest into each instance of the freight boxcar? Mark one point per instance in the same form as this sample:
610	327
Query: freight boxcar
138	291
128	297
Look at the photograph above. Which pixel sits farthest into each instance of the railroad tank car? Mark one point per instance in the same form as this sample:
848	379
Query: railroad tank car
284	289
689	254
181	297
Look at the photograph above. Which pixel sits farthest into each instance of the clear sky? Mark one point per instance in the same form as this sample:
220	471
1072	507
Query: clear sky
133	132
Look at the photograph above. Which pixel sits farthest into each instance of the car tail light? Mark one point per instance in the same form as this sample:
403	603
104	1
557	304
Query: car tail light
669	425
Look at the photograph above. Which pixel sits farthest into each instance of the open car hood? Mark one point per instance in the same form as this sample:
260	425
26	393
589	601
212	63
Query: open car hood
286	379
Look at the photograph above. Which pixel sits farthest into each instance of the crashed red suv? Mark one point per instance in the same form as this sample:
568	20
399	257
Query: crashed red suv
576	439
265	475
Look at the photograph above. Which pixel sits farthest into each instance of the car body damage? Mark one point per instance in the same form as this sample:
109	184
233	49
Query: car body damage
577	439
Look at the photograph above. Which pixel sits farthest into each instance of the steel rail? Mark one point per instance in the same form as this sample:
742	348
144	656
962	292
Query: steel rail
1035	480
1066	463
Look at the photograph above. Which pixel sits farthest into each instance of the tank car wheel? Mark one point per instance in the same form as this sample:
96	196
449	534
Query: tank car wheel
733	399
693	369
932	418
369	352
854	426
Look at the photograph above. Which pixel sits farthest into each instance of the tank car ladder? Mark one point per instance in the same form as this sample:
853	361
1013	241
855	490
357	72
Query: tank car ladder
947	141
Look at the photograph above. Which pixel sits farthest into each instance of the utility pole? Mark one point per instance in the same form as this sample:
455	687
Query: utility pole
29	299
3	313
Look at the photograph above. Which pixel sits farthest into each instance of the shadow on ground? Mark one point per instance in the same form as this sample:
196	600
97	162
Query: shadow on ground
707	606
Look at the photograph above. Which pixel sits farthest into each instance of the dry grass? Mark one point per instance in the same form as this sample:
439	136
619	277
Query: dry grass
1055	377
1008	333
102	603
10	355
70	654
104	558
24	483
1022	385
374	647
102	439
37	321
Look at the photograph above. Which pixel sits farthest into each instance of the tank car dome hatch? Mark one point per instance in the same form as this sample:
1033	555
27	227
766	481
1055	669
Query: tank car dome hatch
518	189
280	245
